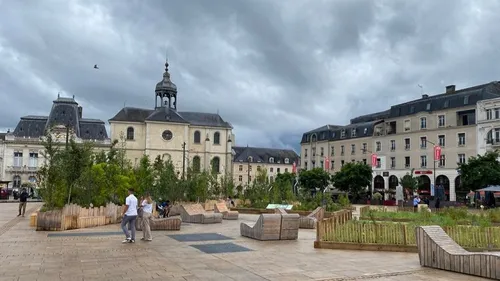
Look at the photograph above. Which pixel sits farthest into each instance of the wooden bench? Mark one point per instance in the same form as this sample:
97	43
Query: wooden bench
266	228
310	220
437	250
195	213
226	213
170	223
289	229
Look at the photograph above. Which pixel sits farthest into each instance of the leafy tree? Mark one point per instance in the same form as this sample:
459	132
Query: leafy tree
144	175
309	180
479	171
168	186
353	178
282	188
410	182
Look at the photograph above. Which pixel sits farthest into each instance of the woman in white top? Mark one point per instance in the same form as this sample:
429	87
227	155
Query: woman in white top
147	211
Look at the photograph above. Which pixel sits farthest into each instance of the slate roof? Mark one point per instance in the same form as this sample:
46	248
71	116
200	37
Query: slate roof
333	133
456	99
262	155
131	114
64	111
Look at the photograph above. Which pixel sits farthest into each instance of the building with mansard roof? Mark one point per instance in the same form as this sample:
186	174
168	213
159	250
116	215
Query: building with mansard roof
20	150
402	139
248	161
199	140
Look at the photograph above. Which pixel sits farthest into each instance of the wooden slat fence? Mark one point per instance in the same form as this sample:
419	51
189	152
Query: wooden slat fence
327	225
402	234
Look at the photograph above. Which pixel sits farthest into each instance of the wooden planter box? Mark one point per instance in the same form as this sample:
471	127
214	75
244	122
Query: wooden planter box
75	217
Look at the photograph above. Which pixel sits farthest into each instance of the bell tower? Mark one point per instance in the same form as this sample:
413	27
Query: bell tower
166	92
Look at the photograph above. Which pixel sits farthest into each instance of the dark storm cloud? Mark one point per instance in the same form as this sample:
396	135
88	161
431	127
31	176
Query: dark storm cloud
274	69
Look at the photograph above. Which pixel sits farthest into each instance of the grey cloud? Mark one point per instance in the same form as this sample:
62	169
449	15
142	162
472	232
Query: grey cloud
273	69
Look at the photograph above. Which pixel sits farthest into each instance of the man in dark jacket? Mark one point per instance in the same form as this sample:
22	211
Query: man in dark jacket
23	199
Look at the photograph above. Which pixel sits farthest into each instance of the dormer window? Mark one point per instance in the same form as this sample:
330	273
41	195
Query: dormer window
333	135
353	132
365	131
271	160
446	103
250	159
429	106
342	134
466	100
412	109
287	161
313	138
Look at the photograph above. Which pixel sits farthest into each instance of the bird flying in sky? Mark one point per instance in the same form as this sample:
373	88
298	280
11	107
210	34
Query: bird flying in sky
95	66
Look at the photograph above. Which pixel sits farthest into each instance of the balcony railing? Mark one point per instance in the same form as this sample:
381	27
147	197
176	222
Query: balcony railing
21	169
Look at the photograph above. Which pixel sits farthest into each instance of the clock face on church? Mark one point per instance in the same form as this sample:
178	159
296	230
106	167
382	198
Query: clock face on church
167	135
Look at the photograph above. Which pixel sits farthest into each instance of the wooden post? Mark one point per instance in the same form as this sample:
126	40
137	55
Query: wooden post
403	228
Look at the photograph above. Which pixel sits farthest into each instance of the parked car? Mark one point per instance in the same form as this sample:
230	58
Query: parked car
4	194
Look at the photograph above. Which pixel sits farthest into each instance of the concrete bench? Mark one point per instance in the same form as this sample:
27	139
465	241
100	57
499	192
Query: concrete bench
437	250
195	213
266	228
310	220
226	213
170	223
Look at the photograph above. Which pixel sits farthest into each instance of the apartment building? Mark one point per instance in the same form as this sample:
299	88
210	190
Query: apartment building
488	125
331	146
248	161
403	138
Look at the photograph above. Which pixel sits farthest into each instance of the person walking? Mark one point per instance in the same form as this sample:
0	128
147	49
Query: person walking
147	213
129	217
23	200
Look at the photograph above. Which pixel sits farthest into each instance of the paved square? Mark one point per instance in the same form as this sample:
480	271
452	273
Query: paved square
220	248
194	237
83	234
26	254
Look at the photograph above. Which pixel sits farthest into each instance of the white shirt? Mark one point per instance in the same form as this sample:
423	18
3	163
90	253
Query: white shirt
146	207
131	202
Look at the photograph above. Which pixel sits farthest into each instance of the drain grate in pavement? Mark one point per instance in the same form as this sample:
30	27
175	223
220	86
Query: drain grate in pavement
220	248
84	234
199	237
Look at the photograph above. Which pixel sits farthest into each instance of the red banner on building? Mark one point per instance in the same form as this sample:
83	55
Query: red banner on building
294	167
437	153
374	160
327	164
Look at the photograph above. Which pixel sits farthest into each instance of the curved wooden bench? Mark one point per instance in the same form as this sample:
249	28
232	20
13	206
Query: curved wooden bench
289	229
310	220
195	213
170	223
437	250
267	227
226	213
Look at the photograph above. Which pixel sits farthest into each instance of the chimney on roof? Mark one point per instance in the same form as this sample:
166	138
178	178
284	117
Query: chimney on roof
80	112
450	89
424	96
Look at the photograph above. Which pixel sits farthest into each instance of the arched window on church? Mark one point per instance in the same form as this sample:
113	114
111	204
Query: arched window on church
197	137
216	165
130	133
196	164
216	138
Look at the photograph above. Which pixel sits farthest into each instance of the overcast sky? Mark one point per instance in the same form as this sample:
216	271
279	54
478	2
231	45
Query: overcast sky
274	69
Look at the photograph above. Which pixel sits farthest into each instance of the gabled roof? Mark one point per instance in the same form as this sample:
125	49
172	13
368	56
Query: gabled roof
262	155
164	114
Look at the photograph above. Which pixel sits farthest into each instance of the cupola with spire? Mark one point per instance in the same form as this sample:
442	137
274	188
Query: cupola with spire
166	91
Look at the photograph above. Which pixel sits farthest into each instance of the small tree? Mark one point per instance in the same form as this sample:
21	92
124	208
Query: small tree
144	176
479	171
310	180
353	178
410	182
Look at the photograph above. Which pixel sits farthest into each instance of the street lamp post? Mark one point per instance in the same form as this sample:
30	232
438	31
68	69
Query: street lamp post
434	161
183	159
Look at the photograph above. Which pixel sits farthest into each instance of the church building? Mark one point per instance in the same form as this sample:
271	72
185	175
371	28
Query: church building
199	140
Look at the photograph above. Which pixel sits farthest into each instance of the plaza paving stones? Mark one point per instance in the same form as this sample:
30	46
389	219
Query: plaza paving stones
29	255
83	234
199	237
220	248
